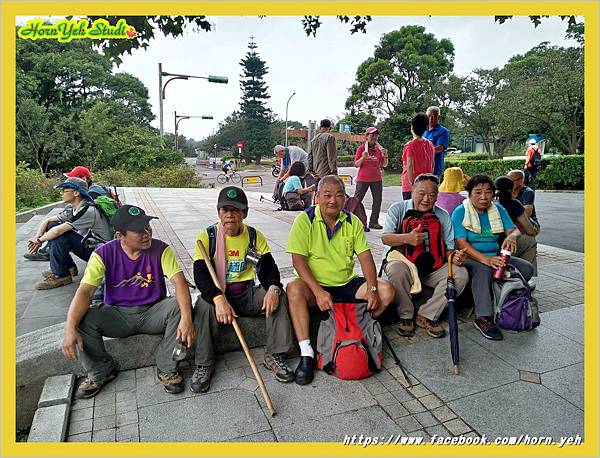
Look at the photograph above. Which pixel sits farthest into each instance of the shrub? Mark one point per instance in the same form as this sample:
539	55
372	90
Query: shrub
34	189
559	172
345	158
180	176
468	157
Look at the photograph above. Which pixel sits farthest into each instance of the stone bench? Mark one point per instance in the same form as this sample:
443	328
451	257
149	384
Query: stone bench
39	356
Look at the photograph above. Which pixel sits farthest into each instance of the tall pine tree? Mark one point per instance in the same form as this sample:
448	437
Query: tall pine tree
255	115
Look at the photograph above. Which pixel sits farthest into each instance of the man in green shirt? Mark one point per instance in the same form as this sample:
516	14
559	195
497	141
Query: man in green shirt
322	242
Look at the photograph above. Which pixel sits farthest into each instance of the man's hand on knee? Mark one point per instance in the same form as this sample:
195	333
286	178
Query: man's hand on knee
324	300
224	310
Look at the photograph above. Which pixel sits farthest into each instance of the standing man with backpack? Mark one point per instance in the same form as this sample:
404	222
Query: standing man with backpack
423	235
65	231
322	159
240	255
323	241
533	159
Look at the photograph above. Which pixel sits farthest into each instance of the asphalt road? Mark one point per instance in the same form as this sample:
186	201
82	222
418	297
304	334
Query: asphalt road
560	213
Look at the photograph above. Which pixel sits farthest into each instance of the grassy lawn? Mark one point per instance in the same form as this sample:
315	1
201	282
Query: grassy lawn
392	178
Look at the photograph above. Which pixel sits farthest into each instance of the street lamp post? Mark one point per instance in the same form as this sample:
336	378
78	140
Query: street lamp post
286	118
178	76
179	118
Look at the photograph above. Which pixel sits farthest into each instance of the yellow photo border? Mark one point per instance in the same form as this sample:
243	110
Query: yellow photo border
11	9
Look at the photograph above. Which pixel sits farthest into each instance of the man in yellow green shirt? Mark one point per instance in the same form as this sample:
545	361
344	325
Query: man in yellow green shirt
234	248
323	241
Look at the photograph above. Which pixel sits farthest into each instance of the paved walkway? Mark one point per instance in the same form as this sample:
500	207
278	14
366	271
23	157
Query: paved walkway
530	383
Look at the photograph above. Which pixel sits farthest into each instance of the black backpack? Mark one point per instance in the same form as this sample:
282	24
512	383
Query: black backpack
212	239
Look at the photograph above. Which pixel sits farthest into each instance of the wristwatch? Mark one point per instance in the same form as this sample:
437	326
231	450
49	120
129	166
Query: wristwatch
276	289
372	289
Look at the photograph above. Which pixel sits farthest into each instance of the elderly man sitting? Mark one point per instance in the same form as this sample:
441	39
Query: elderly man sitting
399	233
240	254
134	267
322	242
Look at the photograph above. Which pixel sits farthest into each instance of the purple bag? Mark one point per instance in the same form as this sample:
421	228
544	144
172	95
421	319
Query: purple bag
515	308
353	205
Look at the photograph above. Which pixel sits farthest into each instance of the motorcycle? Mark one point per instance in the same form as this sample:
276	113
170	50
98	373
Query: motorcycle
275	169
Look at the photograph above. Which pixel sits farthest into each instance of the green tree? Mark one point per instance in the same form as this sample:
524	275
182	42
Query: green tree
69	105
546	87
401	76
255	115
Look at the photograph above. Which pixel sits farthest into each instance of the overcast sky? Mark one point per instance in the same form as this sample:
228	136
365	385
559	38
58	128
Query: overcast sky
319	70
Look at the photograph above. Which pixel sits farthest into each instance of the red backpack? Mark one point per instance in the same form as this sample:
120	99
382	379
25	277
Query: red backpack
431	226
349	342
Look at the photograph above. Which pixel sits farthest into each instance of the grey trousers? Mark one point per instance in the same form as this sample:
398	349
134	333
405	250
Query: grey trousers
527	249
278	326
376	192
399	275
481	283
112	321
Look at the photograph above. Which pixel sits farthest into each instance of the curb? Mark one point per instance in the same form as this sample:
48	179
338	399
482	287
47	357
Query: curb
25	216
52	416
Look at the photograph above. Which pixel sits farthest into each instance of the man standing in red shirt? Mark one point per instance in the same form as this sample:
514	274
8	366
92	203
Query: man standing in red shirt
370	158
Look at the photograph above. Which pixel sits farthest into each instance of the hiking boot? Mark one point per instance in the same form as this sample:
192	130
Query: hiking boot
201	379
37	256
89	389
72	270
487	327
305	372
406	328
53	281
172	381
278	365
432	327
375	226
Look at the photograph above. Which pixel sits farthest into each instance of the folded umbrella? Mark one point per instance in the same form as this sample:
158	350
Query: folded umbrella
452	322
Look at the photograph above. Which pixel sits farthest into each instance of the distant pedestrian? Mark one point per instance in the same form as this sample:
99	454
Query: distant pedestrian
370	158
417	155
533	160
288	155
322	159
439	136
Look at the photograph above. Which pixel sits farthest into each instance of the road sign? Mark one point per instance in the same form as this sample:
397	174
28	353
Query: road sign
240	144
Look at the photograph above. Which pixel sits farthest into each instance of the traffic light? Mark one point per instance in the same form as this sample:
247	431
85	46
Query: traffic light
218	79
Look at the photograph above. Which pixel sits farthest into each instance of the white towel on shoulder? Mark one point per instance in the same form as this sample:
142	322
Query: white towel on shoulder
471	220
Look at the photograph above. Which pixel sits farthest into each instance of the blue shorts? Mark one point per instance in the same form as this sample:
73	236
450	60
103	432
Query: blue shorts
347	292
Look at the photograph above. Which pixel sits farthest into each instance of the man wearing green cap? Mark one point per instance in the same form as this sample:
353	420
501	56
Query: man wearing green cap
239	255
134	267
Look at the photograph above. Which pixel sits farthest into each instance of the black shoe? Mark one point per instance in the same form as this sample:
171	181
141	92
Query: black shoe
172	381
88	388
37	256
375	226
367	229
305	372
201	379
485	325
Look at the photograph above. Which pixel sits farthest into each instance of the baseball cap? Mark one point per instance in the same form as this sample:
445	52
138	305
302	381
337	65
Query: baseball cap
80	172
233	196
130	218
77	184
371	130
532	141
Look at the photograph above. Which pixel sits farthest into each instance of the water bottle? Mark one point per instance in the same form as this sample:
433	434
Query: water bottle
500	271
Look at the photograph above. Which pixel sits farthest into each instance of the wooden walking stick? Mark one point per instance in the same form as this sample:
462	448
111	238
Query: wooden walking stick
238	331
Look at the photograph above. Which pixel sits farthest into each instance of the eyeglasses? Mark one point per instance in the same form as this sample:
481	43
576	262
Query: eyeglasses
516	179
427	177
66	190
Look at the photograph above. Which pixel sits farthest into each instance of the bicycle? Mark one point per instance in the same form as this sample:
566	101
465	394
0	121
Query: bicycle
232	176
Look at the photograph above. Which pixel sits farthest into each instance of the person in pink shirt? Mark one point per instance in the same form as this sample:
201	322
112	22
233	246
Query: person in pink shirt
370	158
417	155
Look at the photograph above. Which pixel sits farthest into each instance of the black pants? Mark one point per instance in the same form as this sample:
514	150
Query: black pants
376	192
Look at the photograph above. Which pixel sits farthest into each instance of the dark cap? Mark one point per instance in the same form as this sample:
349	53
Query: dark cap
325	123
77	184
234	197
130	218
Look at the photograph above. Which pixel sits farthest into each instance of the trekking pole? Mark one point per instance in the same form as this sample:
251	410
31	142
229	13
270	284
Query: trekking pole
238	331
396	359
